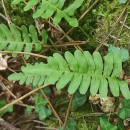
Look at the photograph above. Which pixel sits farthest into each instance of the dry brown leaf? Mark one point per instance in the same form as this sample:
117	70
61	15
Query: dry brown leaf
107	104
3	63
94	99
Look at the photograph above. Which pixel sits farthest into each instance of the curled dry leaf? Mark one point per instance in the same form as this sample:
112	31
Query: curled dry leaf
127	78
107	104
94	99
126	123
3	63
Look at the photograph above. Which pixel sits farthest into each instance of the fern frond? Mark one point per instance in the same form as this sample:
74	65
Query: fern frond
14	39
48	8
80	71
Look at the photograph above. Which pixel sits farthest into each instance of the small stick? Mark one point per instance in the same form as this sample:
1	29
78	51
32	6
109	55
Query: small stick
21	98
73	43
119	33
54	111
46	128
112	29
6	14
2	16
82	16
18	52
125	25
68	110
6	88
7	125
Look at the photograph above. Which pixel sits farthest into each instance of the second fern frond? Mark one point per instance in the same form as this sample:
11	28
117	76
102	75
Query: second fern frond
48	8
25	39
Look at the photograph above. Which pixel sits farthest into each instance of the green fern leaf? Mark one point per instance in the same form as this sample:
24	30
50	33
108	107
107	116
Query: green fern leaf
48	8
25	39
103	90
79	71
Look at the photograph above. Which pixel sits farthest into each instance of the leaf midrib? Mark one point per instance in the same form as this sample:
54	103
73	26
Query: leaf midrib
80	73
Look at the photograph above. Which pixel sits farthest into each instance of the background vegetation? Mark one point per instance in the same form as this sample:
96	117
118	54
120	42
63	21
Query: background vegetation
101	23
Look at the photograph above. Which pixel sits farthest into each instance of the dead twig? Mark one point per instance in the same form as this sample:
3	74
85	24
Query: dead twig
82	16
125	25
72	43
51	106
122	26
18	52
68	110
112	29
2	16
7	125
6	14
21	98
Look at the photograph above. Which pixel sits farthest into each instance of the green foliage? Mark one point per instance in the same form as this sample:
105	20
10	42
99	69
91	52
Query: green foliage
120	125
105	125
120	51
48	8
78	100
80	71
28	110
2	104
124	112
14	39
40	107
122	1
70	125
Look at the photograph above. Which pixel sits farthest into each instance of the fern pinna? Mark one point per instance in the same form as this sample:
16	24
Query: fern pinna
48	8
14	39
80	71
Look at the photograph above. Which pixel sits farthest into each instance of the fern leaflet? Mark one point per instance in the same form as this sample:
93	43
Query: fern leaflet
14	39
48	8
80	71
